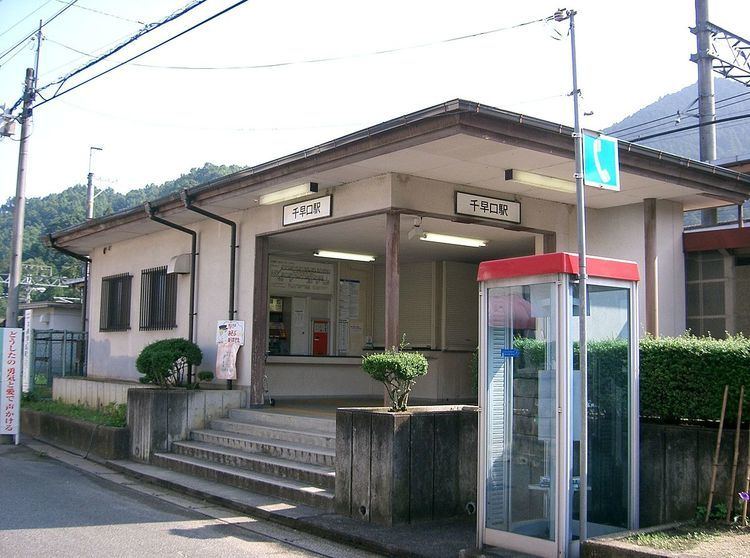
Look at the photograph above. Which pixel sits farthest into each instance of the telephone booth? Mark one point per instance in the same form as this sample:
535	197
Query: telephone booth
529	394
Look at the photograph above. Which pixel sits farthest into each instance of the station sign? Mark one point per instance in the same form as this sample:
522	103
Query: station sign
601	165
307	210
488	208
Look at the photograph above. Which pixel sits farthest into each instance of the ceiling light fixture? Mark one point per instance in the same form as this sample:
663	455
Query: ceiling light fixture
457	240
540	181
344	256
291	193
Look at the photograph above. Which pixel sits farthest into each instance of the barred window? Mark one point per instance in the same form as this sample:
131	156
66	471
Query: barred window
115	303
158	299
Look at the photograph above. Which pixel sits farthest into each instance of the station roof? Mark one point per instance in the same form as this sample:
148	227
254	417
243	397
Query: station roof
460	142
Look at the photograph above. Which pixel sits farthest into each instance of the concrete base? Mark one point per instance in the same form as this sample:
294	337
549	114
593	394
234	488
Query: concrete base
403	467
107	442
93	392
158	417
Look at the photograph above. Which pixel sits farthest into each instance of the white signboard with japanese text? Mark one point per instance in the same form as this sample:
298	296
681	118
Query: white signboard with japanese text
488	208
230	331
297	277
308	210
10	383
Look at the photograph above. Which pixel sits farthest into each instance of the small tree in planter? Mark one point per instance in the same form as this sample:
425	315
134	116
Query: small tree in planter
398	370
166	362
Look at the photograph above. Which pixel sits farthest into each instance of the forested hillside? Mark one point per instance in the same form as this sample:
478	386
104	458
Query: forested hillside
68	207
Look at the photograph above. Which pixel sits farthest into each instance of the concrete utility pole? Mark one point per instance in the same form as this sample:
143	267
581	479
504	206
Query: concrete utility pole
19	207
706	96
90	195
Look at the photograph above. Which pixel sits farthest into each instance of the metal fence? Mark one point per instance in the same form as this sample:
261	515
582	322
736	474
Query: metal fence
56	353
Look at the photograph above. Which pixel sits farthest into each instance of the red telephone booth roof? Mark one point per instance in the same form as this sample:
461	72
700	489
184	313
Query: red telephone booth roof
559	262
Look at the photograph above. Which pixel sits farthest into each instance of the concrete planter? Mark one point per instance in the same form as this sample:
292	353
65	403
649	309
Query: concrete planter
404	467
158	417
107	442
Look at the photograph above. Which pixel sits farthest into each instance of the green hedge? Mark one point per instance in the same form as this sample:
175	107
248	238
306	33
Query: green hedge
682	378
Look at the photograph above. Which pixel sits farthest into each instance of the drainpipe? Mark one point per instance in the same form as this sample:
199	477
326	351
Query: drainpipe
232	250
85	295
151	213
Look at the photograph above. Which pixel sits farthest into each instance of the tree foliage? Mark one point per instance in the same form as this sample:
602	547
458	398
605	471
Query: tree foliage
67	208
398	370
165	363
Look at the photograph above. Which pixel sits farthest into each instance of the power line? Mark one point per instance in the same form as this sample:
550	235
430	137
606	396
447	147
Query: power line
102	12
199	24
348	56
35	31
24	18
692	127
119	47
671	116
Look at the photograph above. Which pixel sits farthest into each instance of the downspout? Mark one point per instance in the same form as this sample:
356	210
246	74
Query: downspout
151	213
232	250
85	295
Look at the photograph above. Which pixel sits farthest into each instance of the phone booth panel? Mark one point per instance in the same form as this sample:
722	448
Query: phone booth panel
530	399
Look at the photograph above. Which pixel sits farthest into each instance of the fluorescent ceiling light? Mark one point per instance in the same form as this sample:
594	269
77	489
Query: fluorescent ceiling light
540	181
448	239
291	193
344	256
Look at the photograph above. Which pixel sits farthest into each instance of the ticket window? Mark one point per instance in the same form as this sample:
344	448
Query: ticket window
299	325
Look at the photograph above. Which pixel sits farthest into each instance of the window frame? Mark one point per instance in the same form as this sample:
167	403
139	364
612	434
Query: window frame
114	310
158	299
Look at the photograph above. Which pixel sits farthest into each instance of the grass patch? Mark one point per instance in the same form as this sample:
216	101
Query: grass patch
112	414
682	538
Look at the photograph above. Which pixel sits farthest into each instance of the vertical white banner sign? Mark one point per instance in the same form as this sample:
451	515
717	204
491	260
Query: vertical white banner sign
26	383
10	389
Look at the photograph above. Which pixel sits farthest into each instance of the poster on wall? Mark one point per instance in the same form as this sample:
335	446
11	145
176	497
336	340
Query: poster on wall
292	276
230	331
226	361
10	392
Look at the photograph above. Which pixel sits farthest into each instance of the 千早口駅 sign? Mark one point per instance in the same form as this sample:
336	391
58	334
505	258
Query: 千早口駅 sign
488	208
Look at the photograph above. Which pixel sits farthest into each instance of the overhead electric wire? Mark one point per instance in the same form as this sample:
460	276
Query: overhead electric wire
671	116
27	16
102	12
145	30
348	56
692	127
199	24
50	20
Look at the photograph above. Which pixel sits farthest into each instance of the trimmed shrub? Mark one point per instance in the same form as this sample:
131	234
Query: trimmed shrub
683	378
165	363
398	370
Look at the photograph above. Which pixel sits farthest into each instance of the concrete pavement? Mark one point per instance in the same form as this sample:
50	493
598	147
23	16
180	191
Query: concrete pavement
71	507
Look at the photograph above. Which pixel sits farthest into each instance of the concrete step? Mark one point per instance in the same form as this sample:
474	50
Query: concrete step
316	475
247	480
274	433
278	419
300	453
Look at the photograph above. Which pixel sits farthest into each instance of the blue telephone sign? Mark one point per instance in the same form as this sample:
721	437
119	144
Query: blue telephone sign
601	165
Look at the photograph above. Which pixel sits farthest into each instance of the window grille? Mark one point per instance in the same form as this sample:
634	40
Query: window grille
115	303
158	299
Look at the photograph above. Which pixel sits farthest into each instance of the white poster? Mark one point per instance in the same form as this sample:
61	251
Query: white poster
226	361
10	392
230	331
299	277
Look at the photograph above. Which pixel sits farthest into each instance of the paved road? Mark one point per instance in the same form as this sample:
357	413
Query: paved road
49	509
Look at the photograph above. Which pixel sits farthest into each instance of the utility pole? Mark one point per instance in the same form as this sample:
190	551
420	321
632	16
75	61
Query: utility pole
19	207
706	96
562	15
90	185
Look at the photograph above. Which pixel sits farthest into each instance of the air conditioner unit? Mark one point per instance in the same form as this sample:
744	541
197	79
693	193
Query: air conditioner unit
179	264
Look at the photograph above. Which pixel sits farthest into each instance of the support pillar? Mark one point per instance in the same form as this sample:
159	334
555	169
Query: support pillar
651	271
260	322
392	281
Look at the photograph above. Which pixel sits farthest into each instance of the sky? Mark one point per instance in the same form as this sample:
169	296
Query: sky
159	116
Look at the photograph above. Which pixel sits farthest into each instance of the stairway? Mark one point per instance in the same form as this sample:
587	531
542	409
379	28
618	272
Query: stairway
264	451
